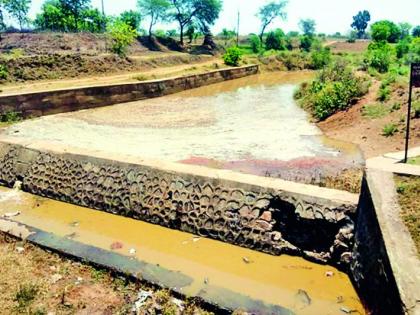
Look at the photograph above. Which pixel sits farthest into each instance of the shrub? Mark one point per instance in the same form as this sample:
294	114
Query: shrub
26	294
402	48
122	36
320	57
233	56
294	60
384	93
275	40
255	43
306	42
416	109
4	73
379	56
335	88
10	117
389	130
416	31
413	55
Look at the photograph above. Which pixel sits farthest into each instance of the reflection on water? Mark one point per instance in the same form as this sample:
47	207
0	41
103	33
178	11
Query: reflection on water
275	280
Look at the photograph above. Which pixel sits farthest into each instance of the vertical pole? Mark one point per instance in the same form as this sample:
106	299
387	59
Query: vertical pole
237	29
407	131
103	8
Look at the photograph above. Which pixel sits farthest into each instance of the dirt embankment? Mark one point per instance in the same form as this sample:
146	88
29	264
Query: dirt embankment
367	132
50	56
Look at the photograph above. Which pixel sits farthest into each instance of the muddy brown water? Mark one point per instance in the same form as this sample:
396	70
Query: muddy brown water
250	125
291	282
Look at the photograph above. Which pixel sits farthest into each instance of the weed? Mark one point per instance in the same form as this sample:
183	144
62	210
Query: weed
141	78
98	274
416	109
26	295
374	111
395	107
389	130
10	117
4	73
384	94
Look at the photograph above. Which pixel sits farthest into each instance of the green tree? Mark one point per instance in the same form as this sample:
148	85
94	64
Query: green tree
308	27
276	40
205	12
74	9
379	56
52	17
156	10
18	9
227	35
405	29
2	11
416	31
91	20
306	42
269	12
132	18
360	23
122	36
385	31
255	43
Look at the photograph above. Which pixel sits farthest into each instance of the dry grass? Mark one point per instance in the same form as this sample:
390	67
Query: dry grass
408	189
35	281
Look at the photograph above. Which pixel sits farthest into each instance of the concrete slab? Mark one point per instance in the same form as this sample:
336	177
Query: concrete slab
391	162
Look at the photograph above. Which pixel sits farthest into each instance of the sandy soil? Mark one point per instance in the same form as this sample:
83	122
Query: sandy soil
351	126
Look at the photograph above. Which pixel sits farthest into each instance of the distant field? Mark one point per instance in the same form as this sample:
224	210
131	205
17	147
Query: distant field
357	47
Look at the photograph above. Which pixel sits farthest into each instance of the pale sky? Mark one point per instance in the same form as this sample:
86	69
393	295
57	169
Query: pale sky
330	15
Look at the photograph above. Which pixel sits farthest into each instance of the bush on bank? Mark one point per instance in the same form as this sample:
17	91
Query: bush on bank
335	88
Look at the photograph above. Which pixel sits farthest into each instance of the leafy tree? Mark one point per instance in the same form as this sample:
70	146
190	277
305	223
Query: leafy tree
205	12
255	43
276	40
74	9
190	33
416	31
132	18
156	10
306	42
405	29
92	21
385	31
320	57
402	48
227	35
308	27
52	17
19	10
269	12
360	23
122	36
2	10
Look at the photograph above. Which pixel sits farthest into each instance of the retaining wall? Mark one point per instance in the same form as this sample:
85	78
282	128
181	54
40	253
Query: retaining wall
59	101
385	266
270	215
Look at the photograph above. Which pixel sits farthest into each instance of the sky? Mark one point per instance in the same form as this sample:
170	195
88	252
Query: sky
330	15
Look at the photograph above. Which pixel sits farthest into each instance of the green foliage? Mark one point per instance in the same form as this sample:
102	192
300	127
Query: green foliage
374	111
131	18
155	10
352	37
306	42
269	12
233	56
294	60
405	29
307	26
379	56
63	16
389	130
10	117
172	33
360	23
402	48
26	295
18	9
416	109
416	31
384	94
4	72
385	31
255	43
413	51
190	33
275	40
122	36
320	57
335	88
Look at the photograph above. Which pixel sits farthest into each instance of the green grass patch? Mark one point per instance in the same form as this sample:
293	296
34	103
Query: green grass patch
389	130
414	160
374	111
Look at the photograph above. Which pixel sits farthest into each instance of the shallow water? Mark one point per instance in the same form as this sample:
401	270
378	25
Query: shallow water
275	280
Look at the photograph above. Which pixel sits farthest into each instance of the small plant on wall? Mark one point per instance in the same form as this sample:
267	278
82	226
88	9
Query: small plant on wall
233	56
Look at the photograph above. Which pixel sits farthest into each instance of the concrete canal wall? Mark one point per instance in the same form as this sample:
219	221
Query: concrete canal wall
265	214
72	99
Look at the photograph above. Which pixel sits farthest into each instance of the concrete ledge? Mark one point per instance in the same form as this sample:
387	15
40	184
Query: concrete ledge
386	268
266	214
71	99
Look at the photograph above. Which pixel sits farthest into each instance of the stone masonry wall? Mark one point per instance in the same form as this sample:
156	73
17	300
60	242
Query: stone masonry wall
59	101
264	219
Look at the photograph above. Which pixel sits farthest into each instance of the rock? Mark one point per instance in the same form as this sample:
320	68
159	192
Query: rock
264	225
346	257
276	236
132	251
246	260
329	274
266	216
20	250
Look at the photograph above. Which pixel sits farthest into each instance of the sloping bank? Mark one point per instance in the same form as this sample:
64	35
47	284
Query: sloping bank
72	99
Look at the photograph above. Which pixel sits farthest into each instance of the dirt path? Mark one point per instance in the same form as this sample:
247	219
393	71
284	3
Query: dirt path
129	77
353	127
